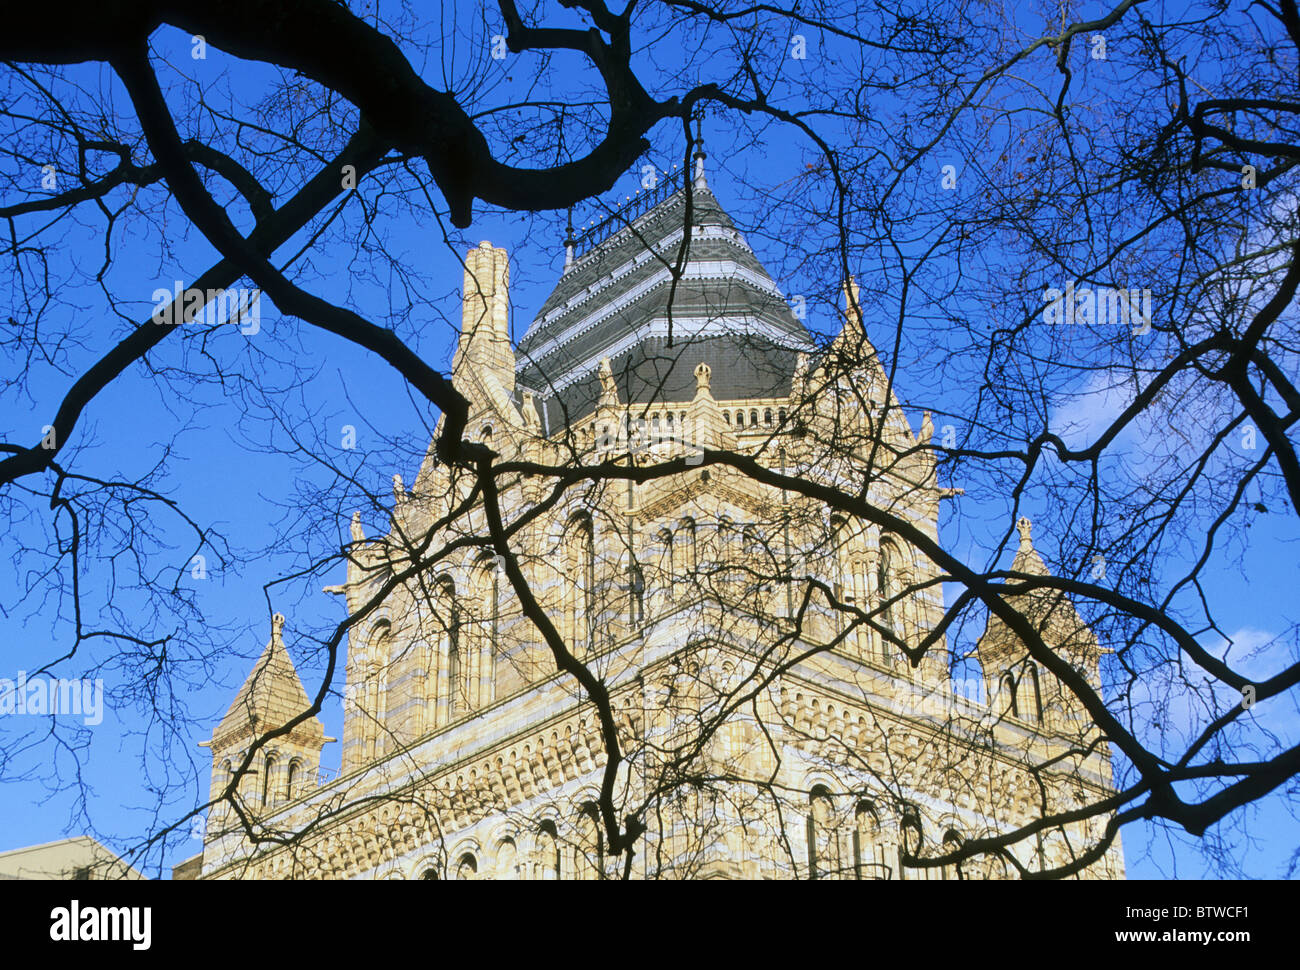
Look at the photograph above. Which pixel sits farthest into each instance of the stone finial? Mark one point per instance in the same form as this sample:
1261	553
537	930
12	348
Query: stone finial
358	533
570	243
399	490
699	157
927	428
528	411
608	386
703	372
1023	527
852	297
277	627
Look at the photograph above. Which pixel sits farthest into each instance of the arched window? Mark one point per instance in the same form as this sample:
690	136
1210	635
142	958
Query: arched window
740	419
507	860
636	594
591	842
823	848
430	873
667	567
582	574
480	674
467	867
1037	695
837	574
291	779
690	558
871	857
548	850
494	620
1007	686
268	783
910	827
372	666
767	416
448	617
887	587
725	540
726	416
753	418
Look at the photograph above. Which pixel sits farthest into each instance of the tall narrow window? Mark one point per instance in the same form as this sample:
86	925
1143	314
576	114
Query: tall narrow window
725	542
912	838
268	784
494	630
373	668
636	594
582	573
591	842
1008	690
291	779
667	567
455	703
686	532
870	860
1037	698
887	588
822	850
449	621
482	652
548	850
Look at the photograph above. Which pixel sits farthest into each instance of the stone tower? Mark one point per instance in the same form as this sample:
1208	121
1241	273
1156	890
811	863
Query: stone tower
285	767
466	754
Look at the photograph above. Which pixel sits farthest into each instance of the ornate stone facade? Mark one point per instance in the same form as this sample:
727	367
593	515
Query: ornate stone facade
711	606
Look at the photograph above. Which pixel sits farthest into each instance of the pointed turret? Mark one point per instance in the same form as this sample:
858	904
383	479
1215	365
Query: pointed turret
484	345
707	428
272	695
1015	682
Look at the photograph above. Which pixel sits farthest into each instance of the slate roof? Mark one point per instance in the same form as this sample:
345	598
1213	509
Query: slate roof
614	302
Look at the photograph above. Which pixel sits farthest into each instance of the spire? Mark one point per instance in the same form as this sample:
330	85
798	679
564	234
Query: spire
1027	558
852	334
271	696
485	317
700	181
570	244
